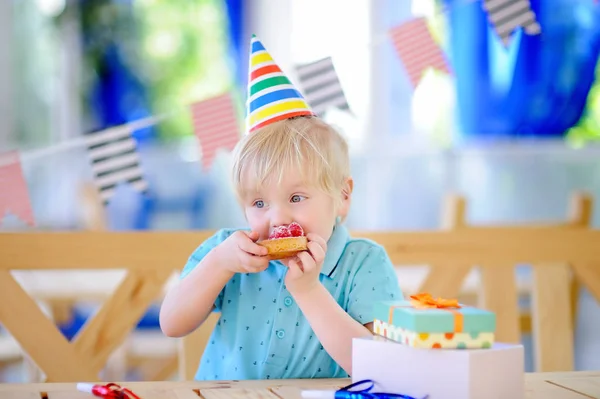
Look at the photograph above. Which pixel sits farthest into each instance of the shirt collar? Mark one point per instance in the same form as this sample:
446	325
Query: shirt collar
335	248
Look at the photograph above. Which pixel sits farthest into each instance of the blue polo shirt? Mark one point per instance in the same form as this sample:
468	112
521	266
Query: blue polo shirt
262	334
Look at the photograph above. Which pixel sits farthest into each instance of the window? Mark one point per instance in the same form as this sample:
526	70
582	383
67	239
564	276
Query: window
340	29
433	100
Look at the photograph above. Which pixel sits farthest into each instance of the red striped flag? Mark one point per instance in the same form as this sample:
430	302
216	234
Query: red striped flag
14	196
417	49
216	126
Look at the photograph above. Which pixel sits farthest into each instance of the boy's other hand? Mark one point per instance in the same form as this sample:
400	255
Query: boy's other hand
304	269
240	253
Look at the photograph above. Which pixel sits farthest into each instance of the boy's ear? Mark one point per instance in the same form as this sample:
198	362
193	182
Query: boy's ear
346	197
349	186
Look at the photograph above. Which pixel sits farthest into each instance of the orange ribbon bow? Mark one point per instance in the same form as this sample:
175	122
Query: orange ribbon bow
426	301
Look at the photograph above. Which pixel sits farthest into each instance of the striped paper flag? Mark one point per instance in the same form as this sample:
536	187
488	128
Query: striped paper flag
417	49
114	158
507	15
321	86
14	196
216	126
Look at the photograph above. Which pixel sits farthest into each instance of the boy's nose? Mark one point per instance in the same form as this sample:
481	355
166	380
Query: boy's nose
280	217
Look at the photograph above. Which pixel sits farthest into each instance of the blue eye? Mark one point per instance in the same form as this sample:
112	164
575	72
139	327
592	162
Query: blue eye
259	204
297	198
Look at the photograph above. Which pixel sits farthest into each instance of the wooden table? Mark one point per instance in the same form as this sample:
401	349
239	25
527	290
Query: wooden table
569	385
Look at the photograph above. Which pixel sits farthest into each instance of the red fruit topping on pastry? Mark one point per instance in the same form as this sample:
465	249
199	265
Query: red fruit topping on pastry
295	230
279	232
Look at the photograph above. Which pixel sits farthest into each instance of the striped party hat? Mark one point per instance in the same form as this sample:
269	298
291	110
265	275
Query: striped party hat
271	95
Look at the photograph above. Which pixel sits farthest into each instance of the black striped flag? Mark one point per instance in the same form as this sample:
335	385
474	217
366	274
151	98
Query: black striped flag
507	15
115	160
321	86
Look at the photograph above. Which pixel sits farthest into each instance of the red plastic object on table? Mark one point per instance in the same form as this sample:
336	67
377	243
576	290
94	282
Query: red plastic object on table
108	391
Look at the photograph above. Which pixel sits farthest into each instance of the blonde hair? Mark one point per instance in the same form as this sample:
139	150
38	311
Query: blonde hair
306	144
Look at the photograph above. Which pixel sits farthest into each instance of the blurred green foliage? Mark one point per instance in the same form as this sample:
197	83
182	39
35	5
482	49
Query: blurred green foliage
587	130
176	48
183	45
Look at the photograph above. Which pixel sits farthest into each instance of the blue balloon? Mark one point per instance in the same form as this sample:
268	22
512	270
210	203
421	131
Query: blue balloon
535	87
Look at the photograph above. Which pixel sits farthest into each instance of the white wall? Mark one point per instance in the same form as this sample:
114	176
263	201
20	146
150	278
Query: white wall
270	21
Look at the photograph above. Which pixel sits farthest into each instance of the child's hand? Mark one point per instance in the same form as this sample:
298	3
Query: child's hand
240	253
304	269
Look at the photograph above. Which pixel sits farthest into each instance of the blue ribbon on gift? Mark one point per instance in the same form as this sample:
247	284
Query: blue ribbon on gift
348	392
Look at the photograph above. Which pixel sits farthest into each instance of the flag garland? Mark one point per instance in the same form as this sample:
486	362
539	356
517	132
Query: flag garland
14	195
113	153
321	86
114	159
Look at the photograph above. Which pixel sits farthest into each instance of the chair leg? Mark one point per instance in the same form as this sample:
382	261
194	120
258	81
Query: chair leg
575	290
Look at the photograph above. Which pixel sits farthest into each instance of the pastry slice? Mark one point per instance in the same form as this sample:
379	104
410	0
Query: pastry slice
285	241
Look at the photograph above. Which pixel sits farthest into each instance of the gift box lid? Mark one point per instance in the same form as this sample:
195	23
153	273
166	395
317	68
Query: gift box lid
404	314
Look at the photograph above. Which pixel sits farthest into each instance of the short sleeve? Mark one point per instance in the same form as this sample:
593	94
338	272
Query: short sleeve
199	254
375	280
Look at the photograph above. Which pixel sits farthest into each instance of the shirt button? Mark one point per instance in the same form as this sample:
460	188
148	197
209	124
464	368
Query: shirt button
280	334
288	301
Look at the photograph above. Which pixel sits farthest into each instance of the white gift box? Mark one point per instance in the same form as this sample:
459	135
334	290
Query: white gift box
494	373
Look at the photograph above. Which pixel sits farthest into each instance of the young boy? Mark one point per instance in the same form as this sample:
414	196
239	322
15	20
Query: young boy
293	318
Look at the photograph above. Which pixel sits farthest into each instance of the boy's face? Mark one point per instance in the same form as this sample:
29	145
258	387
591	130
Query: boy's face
290	201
